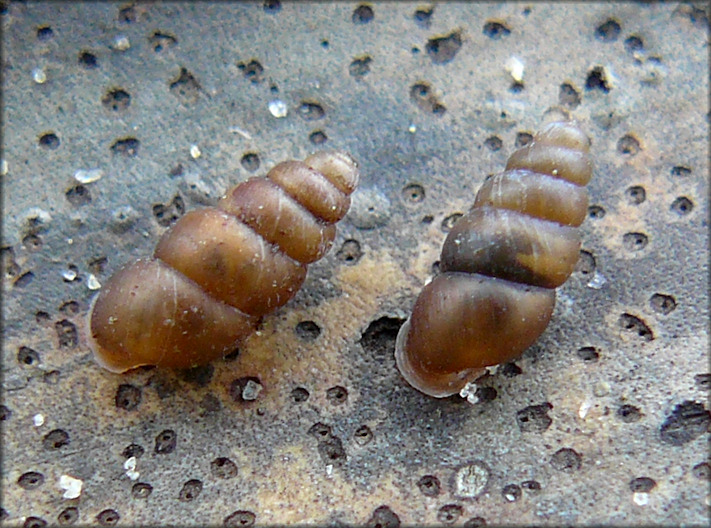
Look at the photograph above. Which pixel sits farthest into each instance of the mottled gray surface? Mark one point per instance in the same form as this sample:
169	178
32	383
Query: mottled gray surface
615	390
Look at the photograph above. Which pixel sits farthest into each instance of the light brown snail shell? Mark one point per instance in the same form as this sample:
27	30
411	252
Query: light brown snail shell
217	270
500	265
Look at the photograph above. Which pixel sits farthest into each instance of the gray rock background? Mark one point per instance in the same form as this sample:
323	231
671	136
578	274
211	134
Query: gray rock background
117	117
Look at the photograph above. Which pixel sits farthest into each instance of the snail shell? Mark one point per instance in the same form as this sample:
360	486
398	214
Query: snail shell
500	265
217	270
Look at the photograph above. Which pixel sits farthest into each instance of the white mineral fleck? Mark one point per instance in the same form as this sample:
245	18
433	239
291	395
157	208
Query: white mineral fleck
92	282
195	152
469	392
515	67
121	43
39	76
278	108
251	390
69	275
492	369
3	168
510	497
88	175
412	129
38	420
130	466
71	486
584	408
640	498
597	282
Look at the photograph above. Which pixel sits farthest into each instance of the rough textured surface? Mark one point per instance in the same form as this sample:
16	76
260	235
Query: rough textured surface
604	420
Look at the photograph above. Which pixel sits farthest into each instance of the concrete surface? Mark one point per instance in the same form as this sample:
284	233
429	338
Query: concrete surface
118	117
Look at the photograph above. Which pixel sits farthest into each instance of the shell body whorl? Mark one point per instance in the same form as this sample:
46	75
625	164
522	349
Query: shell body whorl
217	270
500	265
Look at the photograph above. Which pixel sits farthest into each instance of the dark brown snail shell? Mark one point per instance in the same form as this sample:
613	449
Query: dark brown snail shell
217	270
500	265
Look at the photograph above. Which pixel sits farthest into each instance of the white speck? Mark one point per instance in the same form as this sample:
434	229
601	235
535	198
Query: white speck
515	67
69	275
640	498
251	390
38	420
278	108
241	132
329	469
39	76
92	282
3	168
195	152
597	282
584	408
492	369
70	241
71	486
130	466
510	497
88	175
412	129
121	43
469	392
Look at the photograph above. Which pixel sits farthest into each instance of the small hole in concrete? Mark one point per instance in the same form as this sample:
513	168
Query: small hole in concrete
608	31
223	468
307	330
429	486
190	490
337	395
350	252
108	518
682	206
165	442
299	395
363	14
